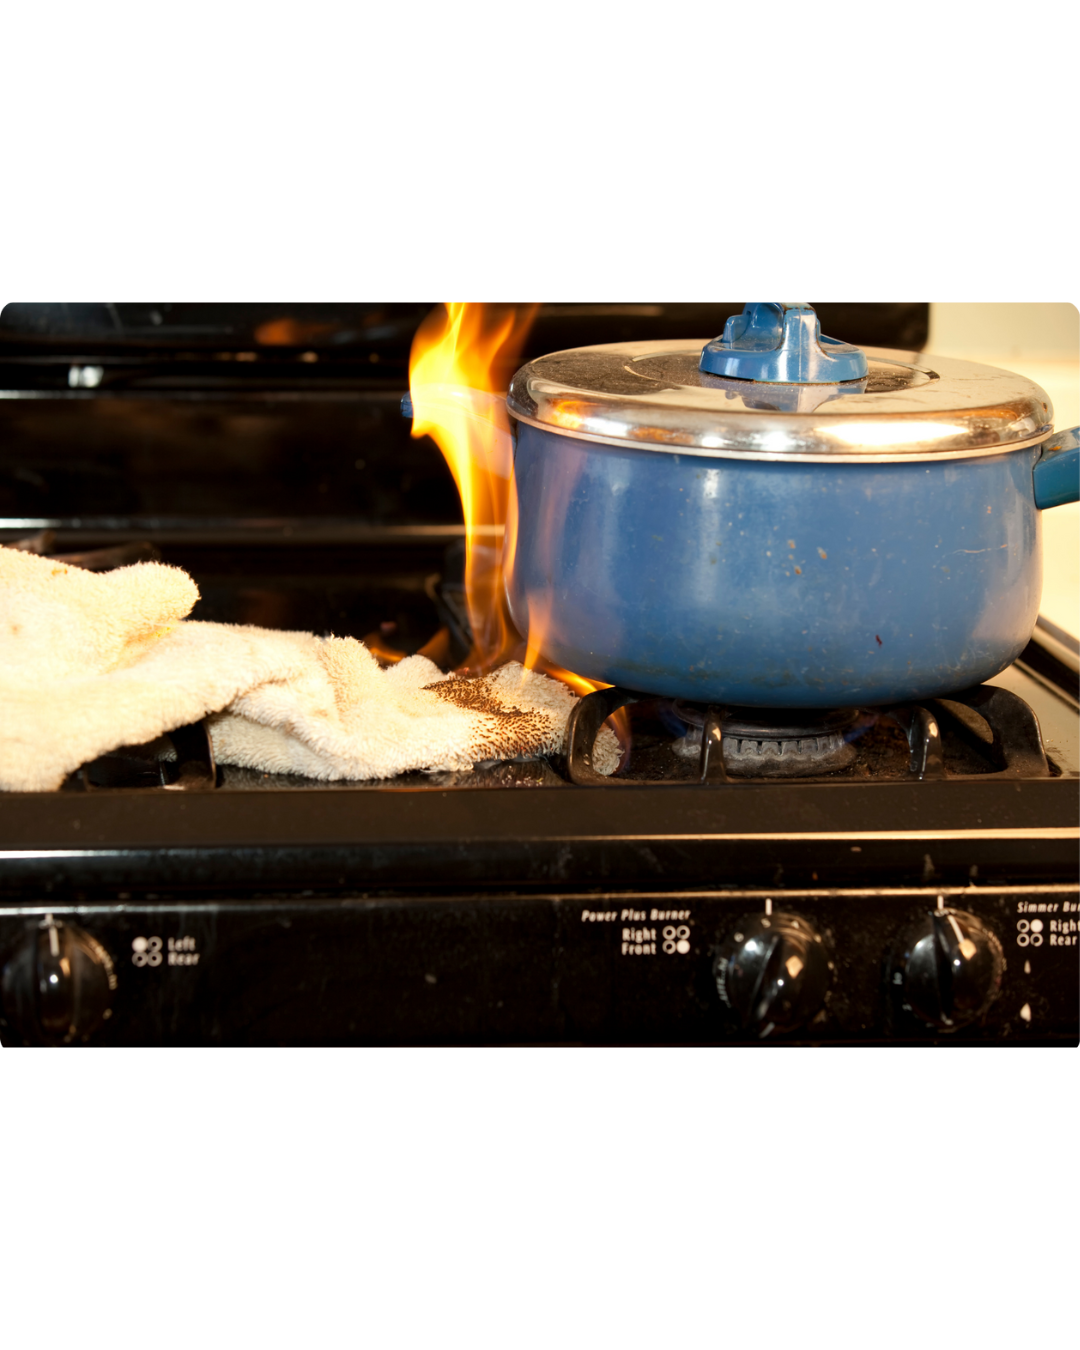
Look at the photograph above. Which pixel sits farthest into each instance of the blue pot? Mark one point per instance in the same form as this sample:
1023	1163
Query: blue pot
814	584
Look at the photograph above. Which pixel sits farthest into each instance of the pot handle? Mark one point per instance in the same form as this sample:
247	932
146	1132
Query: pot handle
1057	470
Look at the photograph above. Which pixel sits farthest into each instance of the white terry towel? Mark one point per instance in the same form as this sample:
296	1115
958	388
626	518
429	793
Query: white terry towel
92	661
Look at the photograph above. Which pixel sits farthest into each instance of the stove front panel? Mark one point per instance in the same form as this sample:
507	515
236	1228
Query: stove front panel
571	968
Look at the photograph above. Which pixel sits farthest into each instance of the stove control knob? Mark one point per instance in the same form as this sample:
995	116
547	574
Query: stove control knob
773	972
947	968
58	985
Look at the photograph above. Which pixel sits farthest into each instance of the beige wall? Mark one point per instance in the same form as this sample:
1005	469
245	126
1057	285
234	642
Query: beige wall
1012	332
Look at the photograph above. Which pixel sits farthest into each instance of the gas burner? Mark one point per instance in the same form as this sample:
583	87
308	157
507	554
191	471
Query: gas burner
774	743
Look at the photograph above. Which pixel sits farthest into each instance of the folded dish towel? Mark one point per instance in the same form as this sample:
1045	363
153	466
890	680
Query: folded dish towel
92	661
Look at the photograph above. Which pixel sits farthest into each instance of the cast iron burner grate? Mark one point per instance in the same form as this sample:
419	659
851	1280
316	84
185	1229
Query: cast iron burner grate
741	743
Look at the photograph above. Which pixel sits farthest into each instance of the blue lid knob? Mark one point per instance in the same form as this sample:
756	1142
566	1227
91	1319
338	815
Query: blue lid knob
781	344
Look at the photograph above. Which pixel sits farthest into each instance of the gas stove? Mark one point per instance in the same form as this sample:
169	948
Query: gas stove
902	875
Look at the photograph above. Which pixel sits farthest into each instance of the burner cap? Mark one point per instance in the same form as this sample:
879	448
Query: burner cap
775	742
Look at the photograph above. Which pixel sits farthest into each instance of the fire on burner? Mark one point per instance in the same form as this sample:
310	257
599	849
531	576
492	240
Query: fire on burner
461	361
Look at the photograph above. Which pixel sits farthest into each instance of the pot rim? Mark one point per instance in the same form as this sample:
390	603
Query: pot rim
785	456
650	396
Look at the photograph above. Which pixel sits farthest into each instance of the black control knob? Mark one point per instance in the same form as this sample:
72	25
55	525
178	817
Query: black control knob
773	972
58	985
947	968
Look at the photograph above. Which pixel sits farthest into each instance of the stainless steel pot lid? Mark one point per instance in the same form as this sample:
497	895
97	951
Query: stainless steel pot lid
653	395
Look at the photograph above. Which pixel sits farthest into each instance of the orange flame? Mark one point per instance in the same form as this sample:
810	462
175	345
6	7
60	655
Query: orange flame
460	366
462	357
